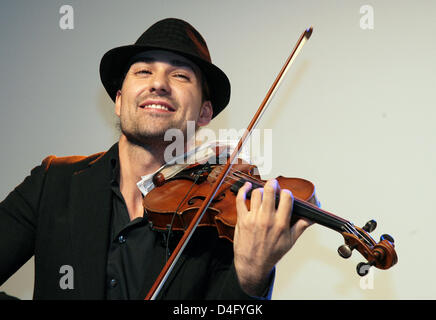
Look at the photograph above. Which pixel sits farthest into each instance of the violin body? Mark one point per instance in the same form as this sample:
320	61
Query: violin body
179	210
188	190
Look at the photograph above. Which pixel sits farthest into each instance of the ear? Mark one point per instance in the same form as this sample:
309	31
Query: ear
206	113
118	103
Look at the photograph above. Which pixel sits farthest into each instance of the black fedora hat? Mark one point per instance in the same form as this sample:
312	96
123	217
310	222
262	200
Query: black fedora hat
174	35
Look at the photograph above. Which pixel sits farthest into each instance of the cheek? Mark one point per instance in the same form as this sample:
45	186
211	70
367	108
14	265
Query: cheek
131	90
193	111
128	102
192	101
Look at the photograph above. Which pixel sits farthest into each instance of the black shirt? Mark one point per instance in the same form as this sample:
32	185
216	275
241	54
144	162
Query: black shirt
136	253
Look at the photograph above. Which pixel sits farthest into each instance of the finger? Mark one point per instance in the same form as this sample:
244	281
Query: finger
269	195
241	207
284	210
256	199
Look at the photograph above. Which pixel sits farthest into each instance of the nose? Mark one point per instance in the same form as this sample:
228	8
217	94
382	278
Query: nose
159	84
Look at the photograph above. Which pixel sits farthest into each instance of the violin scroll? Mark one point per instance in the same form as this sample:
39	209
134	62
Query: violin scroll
381	255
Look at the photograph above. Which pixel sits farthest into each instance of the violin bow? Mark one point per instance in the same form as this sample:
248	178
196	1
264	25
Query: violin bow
168	267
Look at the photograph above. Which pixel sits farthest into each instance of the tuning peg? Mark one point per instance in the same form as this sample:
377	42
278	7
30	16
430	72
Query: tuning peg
363	268
370	226
345	251
387	237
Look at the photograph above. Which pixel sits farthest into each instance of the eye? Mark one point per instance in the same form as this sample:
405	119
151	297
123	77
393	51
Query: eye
143	71
182	76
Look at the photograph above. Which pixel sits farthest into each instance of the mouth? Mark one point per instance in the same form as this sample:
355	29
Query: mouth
157	106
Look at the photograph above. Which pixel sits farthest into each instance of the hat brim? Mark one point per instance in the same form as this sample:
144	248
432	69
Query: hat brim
114	63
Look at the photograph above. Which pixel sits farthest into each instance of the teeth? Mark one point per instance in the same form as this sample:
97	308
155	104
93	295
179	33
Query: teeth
156	106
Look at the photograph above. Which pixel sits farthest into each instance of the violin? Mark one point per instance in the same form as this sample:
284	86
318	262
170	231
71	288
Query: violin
200	195
190	187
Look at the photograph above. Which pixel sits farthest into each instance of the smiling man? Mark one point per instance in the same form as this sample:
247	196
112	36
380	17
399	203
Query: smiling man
161	91
86	212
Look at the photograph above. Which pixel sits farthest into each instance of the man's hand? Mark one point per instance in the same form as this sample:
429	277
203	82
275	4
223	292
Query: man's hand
263	234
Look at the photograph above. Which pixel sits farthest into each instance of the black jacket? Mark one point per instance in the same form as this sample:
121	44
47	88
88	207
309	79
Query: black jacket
61	215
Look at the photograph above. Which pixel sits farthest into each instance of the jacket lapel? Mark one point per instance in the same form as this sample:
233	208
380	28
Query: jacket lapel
90	217
90	214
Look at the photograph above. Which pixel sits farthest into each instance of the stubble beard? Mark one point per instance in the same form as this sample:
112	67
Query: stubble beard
149	138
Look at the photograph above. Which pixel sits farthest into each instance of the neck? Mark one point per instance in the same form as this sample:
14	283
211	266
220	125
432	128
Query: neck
136	161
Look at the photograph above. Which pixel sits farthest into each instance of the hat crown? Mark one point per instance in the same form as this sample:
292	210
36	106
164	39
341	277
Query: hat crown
175	35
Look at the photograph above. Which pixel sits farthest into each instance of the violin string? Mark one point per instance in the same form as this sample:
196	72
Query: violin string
348	226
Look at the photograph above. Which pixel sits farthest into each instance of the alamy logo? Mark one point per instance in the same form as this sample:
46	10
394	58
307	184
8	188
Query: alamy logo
257	152
367	281
67	279
67	19
367	19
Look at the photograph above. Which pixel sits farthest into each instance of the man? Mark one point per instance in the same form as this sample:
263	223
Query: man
85	214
